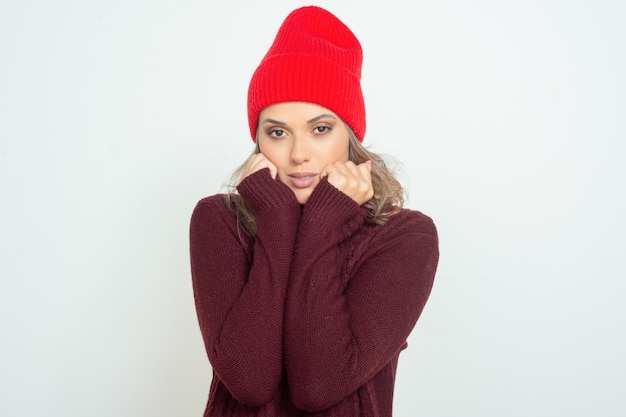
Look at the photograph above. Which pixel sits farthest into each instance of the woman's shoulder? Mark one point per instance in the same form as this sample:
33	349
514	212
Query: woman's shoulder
217	203
214	225
213	209
410	220
407	228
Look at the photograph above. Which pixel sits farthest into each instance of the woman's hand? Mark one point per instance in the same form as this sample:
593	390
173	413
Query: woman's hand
353	180
257	162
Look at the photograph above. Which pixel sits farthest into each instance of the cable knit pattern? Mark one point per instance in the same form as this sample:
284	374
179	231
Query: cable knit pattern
285	332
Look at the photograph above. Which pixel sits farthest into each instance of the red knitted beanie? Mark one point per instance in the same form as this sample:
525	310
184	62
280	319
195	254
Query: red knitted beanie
315	58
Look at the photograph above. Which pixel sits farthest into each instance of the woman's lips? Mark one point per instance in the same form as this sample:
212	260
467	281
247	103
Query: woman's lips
302	179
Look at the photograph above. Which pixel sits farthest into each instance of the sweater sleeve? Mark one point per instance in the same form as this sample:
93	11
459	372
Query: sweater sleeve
239	293
338	335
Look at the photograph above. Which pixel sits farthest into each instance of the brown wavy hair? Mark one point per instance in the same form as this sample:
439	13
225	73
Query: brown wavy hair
388	192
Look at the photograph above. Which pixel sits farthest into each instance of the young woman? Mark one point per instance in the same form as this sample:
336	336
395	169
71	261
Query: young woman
309	276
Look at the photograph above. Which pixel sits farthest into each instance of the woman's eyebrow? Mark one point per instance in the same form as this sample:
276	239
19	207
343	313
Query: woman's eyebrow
276	122
313	120
321	116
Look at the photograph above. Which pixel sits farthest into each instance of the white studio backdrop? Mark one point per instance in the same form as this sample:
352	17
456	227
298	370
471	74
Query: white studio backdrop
507	118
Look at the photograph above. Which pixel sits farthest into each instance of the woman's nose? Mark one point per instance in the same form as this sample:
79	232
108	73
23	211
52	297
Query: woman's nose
299	150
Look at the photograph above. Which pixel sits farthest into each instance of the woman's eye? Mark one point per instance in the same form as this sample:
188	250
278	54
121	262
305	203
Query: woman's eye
277	133
322	129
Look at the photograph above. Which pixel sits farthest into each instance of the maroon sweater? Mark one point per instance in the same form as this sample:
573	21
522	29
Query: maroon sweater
309	318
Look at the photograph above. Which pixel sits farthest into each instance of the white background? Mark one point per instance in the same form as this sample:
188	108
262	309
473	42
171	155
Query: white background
508	119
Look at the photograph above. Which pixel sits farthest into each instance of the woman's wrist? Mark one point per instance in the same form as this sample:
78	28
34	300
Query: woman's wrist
262	193
329	208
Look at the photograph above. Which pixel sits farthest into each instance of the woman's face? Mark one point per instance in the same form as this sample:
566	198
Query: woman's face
301	139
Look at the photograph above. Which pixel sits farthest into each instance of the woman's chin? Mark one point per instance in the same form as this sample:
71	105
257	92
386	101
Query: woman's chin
303	195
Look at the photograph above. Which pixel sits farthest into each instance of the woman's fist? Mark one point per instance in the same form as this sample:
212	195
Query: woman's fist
353	180
257	162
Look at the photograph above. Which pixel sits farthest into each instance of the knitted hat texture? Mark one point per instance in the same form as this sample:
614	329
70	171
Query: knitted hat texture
315	58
